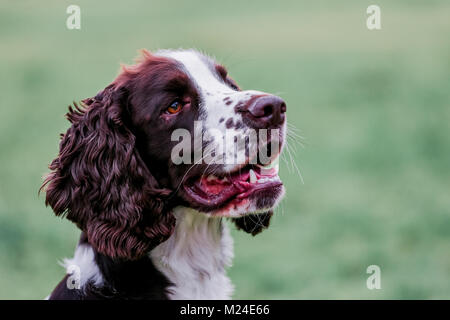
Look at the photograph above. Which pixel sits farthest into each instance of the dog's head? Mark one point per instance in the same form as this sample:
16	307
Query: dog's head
174	129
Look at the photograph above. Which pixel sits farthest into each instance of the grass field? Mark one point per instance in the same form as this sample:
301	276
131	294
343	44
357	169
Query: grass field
373	106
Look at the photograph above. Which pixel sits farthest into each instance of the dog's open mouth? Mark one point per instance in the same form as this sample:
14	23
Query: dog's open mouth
216	191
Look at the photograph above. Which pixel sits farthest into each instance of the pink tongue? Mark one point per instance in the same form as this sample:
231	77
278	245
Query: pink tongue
213	188
216	186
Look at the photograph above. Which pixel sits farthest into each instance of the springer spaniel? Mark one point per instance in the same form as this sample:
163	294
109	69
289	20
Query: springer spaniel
152	227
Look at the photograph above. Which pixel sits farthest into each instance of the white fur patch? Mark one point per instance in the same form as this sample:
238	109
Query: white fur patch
194	258
84	259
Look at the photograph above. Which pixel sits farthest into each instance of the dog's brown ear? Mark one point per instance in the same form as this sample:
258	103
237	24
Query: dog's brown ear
253	223
100	182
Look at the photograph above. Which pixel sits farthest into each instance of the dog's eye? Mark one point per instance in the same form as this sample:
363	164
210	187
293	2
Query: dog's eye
174	107
233	84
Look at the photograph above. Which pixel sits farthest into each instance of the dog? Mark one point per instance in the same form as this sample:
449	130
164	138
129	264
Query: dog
152	227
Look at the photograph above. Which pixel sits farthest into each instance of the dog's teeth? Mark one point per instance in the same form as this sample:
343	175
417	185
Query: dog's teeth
253	177
277	167
211	177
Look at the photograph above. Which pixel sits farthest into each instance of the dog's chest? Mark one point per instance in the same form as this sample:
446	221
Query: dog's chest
194	258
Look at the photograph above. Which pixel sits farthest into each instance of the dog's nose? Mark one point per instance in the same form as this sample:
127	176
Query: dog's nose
266	112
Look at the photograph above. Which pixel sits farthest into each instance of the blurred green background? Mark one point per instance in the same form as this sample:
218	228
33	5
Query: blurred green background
373	106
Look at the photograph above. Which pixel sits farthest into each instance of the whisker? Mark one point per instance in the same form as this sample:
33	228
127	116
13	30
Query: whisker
184	176
293	164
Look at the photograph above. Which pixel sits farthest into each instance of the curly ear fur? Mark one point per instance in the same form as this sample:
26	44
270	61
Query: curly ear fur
253	223
100	182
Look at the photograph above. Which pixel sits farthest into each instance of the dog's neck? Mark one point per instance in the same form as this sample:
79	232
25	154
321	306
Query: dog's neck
194	258
189	265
